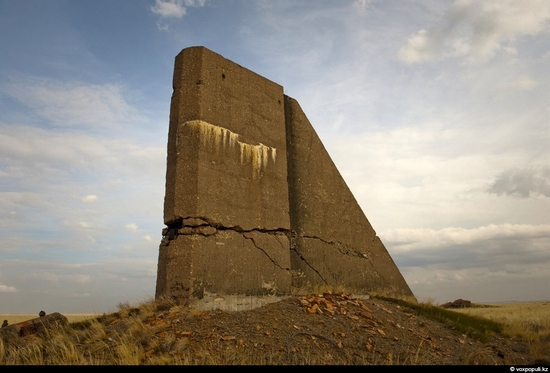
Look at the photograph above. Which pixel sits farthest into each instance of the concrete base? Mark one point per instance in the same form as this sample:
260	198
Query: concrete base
233	302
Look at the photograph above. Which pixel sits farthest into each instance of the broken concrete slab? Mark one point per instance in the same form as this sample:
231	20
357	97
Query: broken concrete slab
34	326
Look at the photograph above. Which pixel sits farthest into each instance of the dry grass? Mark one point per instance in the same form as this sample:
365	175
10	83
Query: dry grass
17	318
475	326
529	321
86	341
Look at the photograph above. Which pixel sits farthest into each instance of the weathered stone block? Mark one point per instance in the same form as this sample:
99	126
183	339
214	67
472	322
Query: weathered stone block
37	325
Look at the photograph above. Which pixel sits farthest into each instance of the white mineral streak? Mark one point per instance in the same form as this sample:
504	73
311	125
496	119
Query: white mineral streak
219	137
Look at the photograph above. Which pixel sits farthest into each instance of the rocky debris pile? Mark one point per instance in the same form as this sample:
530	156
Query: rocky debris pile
458	303
328	328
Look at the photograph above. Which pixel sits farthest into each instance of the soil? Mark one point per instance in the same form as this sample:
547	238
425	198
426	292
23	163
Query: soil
321	329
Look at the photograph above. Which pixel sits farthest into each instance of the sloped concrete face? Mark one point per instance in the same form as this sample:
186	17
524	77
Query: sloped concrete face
335	243
254	205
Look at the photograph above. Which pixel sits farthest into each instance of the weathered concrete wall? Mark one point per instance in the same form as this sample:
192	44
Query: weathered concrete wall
254	205
226	202
335	243
226	145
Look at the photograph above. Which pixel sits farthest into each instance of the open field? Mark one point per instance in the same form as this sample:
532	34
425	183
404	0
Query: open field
17	318
525	319
529	321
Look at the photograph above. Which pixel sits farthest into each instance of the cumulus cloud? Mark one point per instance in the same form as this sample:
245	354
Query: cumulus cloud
89	198
7	289
68	104
522	183
174	8
132	227
477	30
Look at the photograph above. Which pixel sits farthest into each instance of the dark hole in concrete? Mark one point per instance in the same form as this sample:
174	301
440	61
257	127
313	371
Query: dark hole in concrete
173	228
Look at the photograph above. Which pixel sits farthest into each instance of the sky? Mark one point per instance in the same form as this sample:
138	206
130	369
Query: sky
436	113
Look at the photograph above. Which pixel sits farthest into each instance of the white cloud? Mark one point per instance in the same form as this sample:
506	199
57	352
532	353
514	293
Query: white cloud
420	47
7	289
147	238
132	227
83	224
174	8
477	30
404	239
74	103
27	150
89	198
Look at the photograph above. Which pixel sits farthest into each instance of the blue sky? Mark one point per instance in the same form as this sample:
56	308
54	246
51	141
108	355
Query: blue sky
436	113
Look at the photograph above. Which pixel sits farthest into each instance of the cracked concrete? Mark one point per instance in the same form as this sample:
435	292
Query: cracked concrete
254	205
203	227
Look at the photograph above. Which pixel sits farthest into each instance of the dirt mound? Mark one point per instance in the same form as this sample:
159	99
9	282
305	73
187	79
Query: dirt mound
321	329
314	329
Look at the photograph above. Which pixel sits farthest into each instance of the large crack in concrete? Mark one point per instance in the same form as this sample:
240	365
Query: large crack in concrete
206	227
341	247
309	265
259	248
203	226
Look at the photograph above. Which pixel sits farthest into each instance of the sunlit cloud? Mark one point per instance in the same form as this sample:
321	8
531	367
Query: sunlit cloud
477	30
169	8
29	150
132	227
89	198
406	239
173	9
